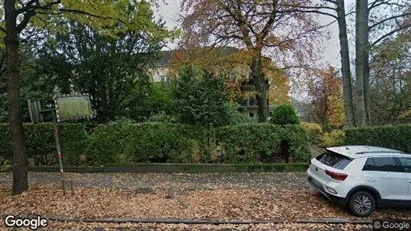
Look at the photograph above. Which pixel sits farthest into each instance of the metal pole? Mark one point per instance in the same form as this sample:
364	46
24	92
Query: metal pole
56	135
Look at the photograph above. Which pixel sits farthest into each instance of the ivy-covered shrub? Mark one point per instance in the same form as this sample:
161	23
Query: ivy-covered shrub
255	143
284	114
393	136
333	138
41	145
314	132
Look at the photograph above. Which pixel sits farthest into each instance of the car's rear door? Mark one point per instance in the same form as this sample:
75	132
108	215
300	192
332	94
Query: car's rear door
406	164
386	175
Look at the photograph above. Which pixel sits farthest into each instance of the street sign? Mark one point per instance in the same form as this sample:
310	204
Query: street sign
73	107
35	111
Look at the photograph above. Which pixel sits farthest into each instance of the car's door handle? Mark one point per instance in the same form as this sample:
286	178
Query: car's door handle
370	179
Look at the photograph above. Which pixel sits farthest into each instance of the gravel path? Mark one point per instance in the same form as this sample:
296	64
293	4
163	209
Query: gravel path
188	181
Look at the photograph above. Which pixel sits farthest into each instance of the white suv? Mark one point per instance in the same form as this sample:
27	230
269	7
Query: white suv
363	177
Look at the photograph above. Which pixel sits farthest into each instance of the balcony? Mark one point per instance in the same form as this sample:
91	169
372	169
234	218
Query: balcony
249	103
249	84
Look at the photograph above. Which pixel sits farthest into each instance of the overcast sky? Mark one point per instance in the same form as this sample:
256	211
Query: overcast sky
169	12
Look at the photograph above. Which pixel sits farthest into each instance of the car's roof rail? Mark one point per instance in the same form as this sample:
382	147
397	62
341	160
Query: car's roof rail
368	152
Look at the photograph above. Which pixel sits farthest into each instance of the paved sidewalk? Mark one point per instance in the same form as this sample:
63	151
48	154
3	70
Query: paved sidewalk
190	181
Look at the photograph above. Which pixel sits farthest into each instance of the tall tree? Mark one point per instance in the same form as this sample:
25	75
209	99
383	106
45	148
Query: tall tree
382	26
336	10
101	65
233	63
381	17
275	27
390	87
199	98
17	16
345	63
327	100
361	60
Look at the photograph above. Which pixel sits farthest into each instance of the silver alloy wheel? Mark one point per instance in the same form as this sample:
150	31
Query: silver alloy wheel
362	204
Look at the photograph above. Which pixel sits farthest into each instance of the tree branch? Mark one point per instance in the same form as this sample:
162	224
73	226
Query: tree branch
26	20
382	2
388	19
270	21
30	10
27	7
310	11
75	11
389	34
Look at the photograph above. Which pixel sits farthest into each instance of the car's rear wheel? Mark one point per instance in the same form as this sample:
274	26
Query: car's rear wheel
361	204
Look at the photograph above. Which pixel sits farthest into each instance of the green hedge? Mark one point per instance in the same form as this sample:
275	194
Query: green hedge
41	145
255	143
125	143
178	143
148	142
395	136
314	132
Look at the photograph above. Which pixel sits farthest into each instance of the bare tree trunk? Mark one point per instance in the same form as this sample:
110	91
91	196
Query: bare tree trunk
345	64
361	41
367	97
262	100
20	181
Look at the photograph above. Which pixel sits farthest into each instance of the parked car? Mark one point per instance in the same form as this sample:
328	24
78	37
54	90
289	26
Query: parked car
363	177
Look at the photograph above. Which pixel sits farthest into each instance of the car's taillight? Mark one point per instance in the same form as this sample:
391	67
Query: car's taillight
336	175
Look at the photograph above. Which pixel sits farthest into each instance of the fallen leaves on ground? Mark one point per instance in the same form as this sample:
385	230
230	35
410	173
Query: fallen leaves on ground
226	204
185	227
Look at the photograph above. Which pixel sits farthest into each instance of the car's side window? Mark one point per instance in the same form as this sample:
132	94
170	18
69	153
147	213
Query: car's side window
406	164
369	165
382	164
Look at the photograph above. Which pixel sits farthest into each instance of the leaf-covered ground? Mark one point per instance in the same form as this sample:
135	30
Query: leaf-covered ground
229	204
184	227
264	196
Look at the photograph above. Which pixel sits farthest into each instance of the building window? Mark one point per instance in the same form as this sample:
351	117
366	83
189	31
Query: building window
252	101
164	79
251	114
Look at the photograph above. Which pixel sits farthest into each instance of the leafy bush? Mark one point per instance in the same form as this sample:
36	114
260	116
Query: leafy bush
393	136
107	142
333	138
254	143
236	117
314	132
41	145
200	98
162	117
147	142
284	114
294	144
